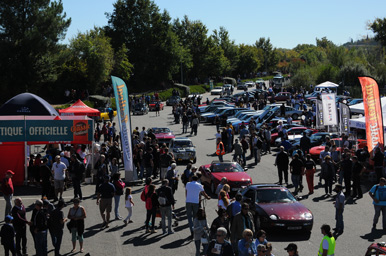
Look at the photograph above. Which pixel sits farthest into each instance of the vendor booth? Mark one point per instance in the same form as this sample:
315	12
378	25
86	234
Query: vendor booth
79	109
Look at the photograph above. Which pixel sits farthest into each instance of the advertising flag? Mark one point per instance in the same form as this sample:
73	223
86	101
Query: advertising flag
329	109
373	113
319	114
344	118
123	112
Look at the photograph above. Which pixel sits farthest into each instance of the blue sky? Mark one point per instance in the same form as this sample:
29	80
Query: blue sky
286	23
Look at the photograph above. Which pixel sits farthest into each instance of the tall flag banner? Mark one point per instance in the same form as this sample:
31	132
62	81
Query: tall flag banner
319	115
123	112
330	116
373	113
344	118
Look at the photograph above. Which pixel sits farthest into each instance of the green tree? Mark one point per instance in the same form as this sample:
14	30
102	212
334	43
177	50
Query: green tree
29	36
249	59
270	57
379	28
229	47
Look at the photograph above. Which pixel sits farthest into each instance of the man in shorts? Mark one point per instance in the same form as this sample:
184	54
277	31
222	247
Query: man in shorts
59	171
105	196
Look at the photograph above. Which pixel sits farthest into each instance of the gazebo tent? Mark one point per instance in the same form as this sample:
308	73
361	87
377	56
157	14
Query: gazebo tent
79	109
359	108
27	104
327	84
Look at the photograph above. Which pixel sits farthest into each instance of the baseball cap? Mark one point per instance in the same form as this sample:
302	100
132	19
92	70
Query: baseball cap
8	218
61	153
291	247
10	172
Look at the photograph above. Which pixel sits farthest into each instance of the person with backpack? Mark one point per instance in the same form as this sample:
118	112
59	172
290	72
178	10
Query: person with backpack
378	194
76	170
166	202
151	200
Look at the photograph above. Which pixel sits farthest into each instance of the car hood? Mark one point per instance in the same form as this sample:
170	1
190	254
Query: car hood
232	176
285	211
165	136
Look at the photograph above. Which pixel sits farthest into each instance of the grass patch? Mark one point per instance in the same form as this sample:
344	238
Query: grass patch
202	88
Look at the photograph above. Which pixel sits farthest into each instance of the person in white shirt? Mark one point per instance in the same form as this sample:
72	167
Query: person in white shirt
193	190
142	134
59	172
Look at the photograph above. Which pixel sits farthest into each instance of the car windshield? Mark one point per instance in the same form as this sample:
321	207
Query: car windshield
274	195
161	130
183	143
226	167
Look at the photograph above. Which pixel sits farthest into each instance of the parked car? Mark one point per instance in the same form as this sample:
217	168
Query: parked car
318	138
162	134
218	90
282	96
105	114
173	100
277	208
376	249
153	105
140	109
259	83
183	149
250	84
242	86
293	131
211	175
355	101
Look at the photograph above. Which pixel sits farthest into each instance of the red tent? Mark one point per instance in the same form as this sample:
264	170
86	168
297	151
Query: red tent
79	109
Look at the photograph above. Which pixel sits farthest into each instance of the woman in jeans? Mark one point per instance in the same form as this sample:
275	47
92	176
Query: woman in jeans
199	226
119	186
76	215
151	208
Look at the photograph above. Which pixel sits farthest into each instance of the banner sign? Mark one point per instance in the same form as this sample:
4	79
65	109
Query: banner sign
46	130
329	109
373	113
344	118
123	112
319	115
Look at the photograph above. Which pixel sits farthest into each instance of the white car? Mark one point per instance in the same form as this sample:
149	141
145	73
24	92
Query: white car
250	84
218	90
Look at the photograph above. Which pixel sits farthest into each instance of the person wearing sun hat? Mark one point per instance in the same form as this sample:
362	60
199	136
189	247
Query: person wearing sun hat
7	189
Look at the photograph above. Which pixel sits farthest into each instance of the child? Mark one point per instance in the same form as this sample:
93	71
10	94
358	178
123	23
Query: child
129	205
7	235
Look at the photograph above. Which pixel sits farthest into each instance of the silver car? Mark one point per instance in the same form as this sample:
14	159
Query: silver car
183	149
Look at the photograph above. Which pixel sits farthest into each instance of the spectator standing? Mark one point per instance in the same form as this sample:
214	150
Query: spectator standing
57	221
185	123
220	150
59	172
246	246
223	181
378	162
129	206
172	176
339	207
238	148
7	189
148	159
357	171
193	190
220	246
7	234
378	194
222	220
241	221
200	227
46	177
282	162
327	246
20	225
195	123
76	215
119	185
76	170
346	167
327	173
166	202
165	161
39	228
305	143
310	167
105	196
296	168
151	200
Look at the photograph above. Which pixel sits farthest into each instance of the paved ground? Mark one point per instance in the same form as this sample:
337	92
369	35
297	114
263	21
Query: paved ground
132	240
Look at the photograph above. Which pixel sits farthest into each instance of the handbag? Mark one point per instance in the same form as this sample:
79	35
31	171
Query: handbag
204	237
72	223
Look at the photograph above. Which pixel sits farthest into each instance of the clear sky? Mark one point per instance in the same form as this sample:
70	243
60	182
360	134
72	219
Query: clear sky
286	22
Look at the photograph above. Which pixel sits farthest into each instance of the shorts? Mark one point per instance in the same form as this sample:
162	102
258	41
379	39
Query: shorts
105	204
59	184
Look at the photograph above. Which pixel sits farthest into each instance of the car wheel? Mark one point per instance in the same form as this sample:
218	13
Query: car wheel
212	188
295	116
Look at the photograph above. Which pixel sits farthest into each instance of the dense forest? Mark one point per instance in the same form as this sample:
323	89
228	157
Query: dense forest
147	49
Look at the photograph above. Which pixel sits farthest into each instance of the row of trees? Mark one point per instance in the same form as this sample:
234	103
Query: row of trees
149	50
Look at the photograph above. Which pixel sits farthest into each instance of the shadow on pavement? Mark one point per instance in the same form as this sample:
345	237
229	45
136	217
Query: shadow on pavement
373	235
287	236
177	243
144	239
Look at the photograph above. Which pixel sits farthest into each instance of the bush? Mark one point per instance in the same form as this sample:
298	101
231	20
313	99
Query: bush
202	88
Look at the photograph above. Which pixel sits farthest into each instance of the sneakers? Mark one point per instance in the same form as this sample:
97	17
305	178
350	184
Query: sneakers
118	218
153	231
125	222
130	221
147	230
170	232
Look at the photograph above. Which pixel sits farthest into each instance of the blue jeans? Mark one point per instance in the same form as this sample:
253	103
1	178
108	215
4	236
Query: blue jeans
57	240
295	180
116	205
191	211
41	243
339	220
198	245
8	204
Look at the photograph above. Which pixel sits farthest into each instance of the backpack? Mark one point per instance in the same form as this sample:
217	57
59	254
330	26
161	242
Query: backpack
162	199
143	196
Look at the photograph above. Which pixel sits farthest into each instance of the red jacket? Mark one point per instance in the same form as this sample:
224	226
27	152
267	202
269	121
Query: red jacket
7	186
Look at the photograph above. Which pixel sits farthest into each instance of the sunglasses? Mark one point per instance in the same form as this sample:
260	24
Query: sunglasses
218	235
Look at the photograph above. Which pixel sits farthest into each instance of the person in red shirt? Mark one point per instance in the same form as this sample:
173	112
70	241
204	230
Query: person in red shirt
7	189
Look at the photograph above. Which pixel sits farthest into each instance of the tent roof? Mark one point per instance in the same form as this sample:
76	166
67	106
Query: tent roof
359	108
80	109
27	104
327	84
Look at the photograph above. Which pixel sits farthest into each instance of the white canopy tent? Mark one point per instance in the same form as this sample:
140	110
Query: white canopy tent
359	109
360	123
327	84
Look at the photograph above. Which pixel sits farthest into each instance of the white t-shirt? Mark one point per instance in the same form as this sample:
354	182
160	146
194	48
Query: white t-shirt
58	169
193	190
128	204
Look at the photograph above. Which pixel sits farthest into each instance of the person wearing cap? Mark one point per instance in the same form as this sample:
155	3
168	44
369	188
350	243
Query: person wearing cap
59	172
327	245
339	207
20	224
7	189
292	249
327	173
39	228
7	235
105	196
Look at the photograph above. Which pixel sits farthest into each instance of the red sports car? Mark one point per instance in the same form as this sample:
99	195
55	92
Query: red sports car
293	131
214	172
378	249
315	151
153	104
163	134
277	208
